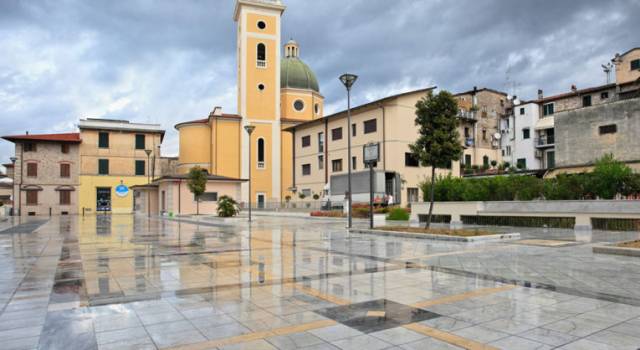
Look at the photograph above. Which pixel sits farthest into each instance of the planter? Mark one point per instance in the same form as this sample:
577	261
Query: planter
486	238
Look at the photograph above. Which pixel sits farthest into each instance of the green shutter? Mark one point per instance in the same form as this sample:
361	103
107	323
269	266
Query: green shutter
140	167
103	166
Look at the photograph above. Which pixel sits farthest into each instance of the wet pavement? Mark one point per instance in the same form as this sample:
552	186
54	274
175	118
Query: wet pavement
125	282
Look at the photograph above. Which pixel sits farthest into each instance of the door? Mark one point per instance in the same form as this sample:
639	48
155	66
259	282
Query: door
163	202
551	159
103	199
261	200
412	194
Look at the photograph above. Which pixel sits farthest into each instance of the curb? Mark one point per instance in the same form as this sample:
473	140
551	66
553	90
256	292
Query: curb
613	250
487	238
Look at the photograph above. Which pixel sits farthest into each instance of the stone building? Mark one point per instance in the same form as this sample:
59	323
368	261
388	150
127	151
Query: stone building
46	173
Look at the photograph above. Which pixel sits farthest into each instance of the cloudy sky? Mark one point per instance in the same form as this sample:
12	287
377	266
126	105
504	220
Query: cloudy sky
166	61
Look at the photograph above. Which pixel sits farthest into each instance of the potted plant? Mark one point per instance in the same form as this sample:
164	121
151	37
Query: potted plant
227	207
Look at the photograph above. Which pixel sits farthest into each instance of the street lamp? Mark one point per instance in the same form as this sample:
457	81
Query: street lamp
13	187
148	152
348	80
249	129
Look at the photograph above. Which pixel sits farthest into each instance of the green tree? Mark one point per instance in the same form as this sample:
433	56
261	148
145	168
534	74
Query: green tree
197	183
610	177
438	143
227	207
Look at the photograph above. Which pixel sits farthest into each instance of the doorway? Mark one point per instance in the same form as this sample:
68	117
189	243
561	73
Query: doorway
261	197
103	199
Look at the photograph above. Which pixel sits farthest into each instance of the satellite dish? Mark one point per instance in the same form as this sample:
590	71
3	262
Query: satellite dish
509	97
516	101
497	136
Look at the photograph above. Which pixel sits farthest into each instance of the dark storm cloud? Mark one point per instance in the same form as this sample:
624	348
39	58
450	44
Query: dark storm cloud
167	61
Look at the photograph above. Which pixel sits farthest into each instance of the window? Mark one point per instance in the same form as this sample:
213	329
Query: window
635	64
336	165
353	130
336	134
467	133
262	25
103	166
260	153
604	95
320	162
608	129
484	134
410	160
103	140
261	87
298	105
140	167
306	192
320	142
526	133
467	159
140	144
32	169
522	111
64	148
508	150
32	197
370	126
306	169
209	197
30	147
521	163
65	170
65	197
485	161
306	141
547	109
316	108
261	55
354	163
586	101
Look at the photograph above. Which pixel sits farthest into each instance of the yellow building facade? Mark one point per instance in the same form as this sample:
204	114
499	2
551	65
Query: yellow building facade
276	90
113	157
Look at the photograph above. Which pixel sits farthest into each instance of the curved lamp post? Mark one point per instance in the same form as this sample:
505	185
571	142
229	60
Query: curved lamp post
249	129
148	152
13	187
348	80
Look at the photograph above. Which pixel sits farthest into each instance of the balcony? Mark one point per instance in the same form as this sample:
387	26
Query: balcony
467	115
261	64
545	141
469	141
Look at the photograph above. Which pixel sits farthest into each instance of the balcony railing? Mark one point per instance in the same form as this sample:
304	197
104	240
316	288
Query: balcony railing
261	64
545	141
470	115
469	141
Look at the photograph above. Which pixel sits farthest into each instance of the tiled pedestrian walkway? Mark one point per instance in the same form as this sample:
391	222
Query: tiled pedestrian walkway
125	282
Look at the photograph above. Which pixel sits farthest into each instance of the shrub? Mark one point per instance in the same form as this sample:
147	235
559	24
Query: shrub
327	213
316	196
398	214
227	207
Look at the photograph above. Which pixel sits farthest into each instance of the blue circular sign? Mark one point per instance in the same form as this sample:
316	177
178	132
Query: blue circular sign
122	190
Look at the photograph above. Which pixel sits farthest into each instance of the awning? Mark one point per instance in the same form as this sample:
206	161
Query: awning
545	123
31	188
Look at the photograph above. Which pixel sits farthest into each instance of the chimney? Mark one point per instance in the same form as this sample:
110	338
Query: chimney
540	95
574	88
217	111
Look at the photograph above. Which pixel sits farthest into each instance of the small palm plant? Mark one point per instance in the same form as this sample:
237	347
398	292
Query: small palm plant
227	207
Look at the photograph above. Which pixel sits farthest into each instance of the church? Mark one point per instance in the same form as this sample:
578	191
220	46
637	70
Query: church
276	90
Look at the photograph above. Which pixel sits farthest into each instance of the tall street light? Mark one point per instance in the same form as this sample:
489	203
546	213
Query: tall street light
148	152
13	187
249	129
348	80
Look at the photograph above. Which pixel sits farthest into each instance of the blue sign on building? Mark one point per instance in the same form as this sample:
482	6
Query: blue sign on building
122	190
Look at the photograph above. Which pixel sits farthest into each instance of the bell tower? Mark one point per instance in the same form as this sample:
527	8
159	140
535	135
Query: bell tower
258	67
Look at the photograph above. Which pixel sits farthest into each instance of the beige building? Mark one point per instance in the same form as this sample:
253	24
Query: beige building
628	73
46	173
320	151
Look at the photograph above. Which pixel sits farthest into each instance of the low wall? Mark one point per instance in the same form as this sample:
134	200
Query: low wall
583	211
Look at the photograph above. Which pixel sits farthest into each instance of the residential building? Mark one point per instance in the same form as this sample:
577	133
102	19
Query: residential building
6	187
628	73
115	155
46	173
518	131
480	113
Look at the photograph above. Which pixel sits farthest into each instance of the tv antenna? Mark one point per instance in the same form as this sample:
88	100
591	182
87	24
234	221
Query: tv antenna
607	70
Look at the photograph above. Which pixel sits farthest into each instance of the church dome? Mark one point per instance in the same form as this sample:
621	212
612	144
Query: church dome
294	73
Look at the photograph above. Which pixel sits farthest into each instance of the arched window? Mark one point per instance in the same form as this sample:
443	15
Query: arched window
262	55
260	153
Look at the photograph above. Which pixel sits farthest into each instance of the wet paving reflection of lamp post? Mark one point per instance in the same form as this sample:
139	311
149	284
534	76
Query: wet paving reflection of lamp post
249	129
148	152
13	187
348	80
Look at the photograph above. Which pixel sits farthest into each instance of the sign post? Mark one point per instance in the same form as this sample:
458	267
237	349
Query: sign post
371	156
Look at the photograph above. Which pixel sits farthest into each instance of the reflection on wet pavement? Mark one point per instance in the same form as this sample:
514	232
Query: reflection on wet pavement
125	282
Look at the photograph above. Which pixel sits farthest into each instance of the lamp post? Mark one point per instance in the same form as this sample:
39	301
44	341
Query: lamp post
249	129
148	152
348	80
13	187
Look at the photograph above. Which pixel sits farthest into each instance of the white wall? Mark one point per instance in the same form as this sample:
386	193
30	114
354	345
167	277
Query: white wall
524	148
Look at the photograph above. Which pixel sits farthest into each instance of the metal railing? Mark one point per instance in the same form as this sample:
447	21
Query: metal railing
471	115
300	205
261	64
544	141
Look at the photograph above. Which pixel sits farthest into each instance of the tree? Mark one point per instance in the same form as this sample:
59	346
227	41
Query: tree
438	143
610	177
227	207
197	183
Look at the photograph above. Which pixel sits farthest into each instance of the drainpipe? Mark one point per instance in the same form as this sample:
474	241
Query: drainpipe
384	139
179	198
293	170
21	179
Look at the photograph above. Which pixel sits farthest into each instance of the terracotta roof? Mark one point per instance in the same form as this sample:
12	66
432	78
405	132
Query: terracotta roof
626	52
209	177
479	90
8	165
575	93
293	120
206	120
73	137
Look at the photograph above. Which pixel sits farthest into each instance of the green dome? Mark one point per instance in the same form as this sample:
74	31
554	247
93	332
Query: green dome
297	75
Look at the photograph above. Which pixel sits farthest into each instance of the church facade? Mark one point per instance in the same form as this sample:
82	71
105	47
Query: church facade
276	90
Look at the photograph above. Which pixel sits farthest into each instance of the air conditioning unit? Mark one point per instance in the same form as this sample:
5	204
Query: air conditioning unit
538	153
